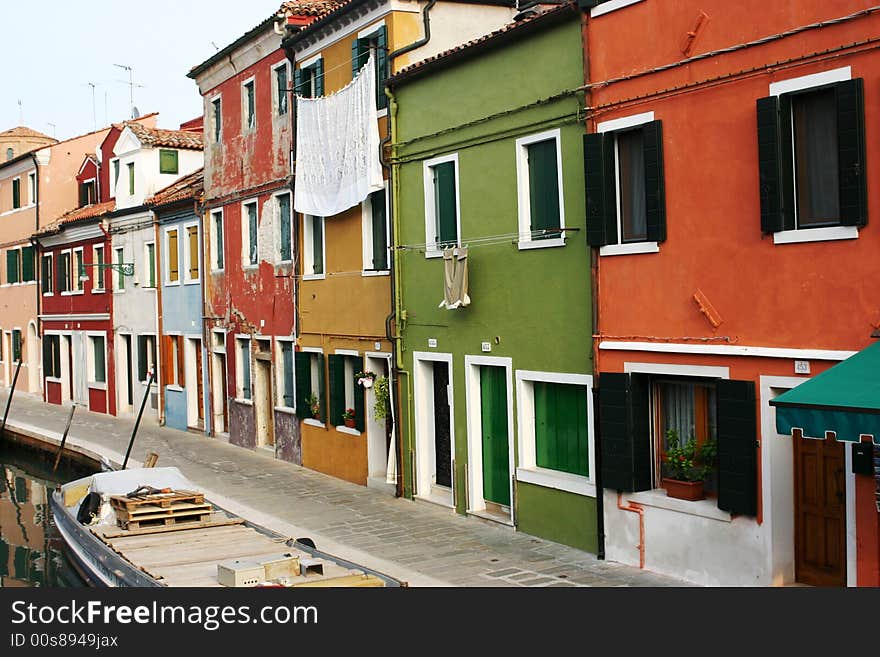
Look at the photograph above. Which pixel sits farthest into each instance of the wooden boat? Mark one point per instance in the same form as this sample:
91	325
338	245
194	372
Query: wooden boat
151	527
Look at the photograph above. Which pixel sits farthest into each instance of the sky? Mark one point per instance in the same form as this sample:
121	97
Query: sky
52	50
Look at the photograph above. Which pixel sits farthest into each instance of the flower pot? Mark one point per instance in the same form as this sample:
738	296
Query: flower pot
684	490
366	382
349	423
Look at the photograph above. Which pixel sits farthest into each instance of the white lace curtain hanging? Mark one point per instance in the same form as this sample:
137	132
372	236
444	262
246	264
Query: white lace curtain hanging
337	148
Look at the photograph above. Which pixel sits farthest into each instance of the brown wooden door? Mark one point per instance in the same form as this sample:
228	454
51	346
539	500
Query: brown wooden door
199	389
820	506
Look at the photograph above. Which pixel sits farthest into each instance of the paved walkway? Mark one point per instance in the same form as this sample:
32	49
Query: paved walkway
420	543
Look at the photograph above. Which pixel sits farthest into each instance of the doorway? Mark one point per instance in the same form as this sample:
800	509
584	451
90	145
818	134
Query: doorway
33	352
195	403
435	432
263	405
381	457
820	511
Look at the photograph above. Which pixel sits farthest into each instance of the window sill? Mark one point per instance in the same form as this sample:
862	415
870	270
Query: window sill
286	410
94	291
314	423
172	283
250	268
73	294
245	402
541	244
612	5
827	234
172	387
48	294
382	112
94	385
629	249
369	273
348	430
558	480
218	271
314	277
51	379
657	498
118	292
193	282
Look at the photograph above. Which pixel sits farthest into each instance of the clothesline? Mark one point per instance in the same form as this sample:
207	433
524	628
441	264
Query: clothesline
491	240
324	72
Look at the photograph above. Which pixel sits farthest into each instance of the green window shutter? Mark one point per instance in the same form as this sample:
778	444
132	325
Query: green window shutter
445	210
336	368
322	387
142	359
624	432
16	345
16	193
284	212
356	62
12	266
131	179
737	447
381	67
317	245
100	365
600	189
851	153
543	187
561	428
775	165
168	161
302	362
380	231
287	390
319	78
48	363
655	193
359	401
28	264
298	82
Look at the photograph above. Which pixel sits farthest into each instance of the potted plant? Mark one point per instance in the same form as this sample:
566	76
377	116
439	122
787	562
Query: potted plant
365	379
348	418
314	406
687	466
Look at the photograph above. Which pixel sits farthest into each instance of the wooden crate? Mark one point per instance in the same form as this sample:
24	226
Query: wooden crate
145	515
163	500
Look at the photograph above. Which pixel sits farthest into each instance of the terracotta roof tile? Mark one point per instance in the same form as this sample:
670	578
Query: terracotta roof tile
188	187
168	138
79	214
25	132
310	7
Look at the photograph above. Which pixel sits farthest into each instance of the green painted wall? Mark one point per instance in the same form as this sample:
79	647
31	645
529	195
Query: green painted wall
533	306
557	516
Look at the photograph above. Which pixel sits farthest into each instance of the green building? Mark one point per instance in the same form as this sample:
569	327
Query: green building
488	179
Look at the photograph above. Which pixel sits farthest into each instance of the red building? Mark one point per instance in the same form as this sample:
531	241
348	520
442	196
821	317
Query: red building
736	238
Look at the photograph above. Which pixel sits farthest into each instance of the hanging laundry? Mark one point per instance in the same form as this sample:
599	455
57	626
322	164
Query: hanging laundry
337	148
455	282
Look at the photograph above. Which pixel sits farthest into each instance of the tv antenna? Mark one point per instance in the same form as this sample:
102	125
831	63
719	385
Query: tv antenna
53	128
94	112
131	85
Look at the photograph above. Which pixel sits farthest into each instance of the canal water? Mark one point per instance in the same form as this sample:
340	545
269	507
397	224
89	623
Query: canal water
31	550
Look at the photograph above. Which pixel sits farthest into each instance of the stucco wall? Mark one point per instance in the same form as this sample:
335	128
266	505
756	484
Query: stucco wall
288	441
241	424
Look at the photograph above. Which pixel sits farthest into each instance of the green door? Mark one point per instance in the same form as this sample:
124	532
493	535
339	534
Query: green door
496	464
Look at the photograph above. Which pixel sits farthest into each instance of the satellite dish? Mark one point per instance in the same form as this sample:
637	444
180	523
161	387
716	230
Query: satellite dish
135	113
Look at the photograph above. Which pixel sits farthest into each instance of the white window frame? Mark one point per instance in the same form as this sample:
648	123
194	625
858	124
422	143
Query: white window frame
187	279
55	334
130	190
239	370
523	188
166	269
69	252
21	204
632	248
310	65
52	273
211	120
366	33
245	128
114	182
277	210
279	374
212	229
312	371
611	5
284	63
98	271
431	248
826	233
308	251
116	275
146	285
32	188
78	285
90	360
367	235
246	234
528	470
348	372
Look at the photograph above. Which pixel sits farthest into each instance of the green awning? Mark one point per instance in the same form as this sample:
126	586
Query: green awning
844	399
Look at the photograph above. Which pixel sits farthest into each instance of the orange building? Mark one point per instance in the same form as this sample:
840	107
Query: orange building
736	233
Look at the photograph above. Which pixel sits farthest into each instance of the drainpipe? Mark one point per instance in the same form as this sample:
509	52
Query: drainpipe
635	508
426	21
38	262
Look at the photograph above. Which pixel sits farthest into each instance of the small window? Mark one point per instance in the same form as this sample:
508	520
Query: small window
539	183
377	44
286	389
52	356
16	345
32	188
309	80
248	106
244	369
98	283
346	397
146	356
64	275
192	254
310	395
10	154
216	119
561	431
172	271
249	230
173	363
46	274
115	176
281	89
286	246
150	262
313	247
685	410
13	266
130	178
78	270
120	262
16	193
167	161
217	240
441	203
88	193
97	369
376	232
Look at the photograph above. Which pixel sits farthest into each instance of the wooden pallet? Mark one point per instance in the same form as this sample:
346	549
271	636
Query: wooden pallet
144	515
163	500
164	521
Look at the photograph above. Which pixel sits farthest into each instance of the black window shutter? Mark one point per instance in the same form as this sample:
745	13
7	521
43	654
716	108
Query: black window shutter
297	82
655	201
319	78
623	432
737	447
600	189
336	367
381	67
359	404
303	368
48	369
851	153
775	164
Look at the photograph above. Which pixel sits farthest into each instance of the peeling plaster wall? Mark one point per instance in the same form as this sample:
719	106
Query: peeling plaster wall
288	441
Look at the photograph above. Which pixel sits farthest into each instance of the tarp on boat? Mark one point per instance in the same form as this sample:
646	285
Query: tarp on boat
122	482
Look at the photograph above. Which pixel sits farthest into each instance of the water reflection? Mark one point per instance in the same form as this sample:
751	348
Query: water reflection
31	551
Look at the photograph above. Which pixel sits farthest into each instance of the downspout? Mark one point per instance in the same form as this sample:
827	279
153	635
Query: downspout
396	302
635	508
38	261
159	310
207	347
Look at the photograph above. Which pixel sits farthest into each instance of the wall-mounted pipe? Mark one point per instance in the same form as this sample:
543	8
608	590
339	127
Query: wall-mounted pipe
635	508
426	22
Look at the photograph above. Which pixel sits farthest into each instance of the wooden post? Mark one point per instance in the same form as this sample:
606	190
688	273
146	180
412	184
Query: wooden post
64	438
140	415
9	399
